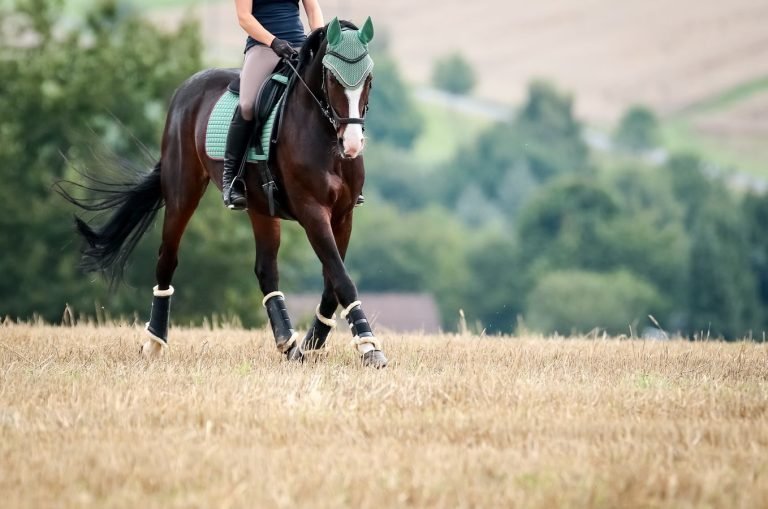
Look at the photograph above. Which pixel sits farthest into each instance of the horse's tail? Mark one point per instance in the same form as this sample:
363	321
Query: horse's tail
134	206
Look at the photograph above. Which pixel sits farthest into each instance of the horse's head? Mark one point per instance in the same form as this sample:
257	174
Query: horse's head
347	79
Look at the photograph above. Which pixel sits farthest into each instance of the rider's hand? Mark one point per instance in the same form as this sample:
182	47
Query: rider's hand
282	48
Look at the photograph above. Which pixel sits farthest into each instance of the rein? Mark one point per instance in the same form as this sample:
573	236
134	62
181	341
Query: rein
325	105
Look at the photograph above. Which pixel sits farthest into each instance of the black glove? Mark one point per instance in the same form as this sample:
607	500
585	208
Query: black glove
282	48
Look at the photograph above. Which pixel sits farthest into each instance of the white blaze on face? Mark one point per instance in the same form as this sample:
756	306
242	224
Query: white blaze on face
353	133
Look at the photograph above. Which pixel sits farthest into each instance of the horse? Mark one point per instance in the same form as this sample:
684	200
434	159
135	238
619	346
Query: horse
318	167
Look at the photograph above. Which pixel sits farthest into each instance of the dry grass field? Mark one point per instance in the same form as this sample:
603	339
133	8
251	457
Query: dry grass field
221	421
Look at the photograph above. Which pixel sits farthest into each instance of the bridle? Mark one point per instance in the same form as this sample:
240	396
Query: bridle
336	120
324	103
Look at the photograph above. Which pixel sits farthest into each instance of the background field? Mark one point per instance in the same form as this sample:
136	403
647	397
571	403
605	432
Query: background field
454	422
670	56
610	54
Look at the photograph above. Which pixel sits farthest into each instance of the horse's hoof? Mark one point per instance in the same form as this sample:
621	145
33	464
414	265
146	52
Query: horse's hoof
285	343
294	354
375	359
151	349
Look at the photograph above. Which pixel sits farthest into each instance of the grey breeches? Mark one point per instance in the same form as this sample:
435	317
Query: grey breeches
259	63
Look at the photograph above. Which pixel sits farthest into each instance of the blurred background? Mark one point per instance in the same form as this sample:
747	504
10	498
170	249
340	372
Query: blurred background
560	167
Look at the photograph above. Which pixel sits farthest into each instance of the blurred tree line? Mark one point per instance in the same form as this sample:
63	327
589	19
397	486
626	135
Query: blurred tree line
525	227
534	231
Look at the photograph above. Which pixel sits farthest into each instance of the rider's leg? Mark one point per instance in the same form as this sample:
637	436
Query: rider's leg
259	63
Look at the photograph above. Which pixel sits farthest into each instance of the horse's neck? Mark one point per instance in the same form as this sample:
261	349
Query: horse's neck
302	93
313	74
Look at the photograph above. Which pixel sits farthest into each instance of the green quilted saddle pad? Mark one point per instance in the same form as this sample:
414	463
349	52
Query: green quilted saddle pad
218	126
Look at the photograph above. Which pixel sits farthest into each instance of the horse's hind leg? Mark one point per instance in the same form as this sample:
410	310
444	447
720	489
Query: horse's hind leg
266	233
182	196
322	325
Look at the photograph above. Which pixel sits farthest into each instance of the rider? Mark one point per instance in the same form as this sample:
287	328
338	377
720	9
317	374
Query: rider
274	31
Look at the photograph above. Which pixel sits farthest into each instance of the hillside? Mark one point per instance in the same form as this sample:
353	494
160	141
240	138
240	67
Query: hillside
609	54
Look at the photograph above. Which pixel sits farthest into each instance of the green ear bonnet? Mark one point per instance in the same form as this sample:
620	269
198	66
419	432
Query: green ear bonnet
347	54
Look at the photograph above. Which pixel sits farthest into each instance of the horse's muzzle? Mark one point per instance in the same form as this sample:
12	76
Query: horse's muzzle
351	141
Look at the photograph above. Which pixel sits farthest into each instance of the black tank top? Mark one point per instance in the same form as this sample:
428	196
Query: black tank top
281	18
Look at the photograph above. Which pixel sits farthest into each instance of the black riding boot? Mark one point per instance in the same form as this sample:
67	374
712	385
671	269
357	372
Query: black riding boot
240	131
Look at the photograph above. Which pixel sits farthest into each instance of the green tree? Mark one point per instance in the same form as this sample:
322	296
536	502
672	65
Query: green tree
62	91
638	130
550	133
454	74
494	295
650	238
542	142
422	251
689	184
393	116
577	301
756	216
580	224
564	226
723	296
397	177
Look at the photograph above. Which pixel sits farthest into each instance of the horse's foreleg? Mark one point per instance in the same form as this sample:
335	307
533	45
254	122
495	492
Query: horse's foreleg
266	232
325	317
330	244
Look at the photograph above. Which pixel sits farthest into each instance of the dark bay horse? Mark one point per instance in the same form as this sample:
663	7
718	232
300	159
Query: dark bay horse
317	166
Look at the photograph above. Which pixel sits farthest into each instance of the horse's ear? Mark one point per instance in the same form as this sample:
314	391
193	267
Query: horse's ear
334	32
366	33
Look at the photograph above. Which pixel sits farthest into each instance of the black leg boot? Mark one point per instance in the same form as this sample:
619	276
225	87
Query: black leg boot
240	132
157	326
285	335
364	340
315	339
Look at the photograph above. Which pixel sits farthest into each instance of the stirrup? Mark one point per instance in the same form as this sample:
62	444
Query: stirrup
239	203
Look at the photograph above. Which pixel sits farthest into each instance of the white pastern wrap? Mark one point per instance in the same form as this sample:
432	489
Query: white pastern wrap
350	308
270	295
157	292
330	322
365	345
153	337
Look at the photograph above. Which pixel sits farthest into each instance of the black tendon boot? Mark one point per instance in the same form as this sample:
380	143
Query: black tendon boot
157	326
285	336
315	339
240	131
366	343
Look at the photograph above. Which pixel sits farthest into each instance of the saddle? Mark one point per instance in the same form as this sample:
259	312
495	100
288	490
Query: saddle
270	93
268	112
